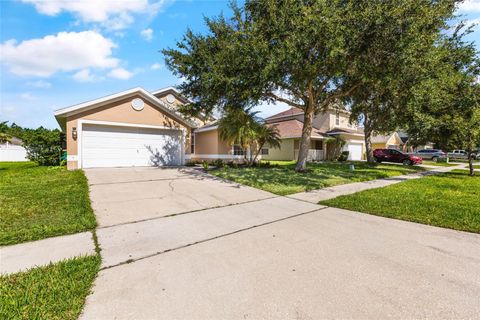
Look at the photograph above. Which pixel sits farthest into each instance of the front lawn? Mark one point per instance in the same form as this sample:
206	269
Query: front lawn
40	202
450	200
283	179
440	164
57	291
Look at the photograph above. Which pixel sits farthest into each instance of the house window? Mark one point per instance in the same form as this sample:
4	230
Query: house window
238	151
192	143
318	145
264	151
337	118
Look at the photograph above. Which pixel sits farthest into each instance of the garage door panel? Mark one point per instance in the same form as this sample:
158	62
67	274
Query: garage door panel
112	146
354	151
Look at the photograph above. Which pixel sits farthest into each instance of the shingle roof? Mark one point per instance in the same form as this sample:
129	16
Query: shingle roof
293	129
380	138
289	112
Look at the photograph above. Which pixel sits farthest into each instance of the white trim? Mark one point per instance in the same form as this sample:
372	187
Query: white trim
166	89
81	122
206	129
352	134
66	112
215	156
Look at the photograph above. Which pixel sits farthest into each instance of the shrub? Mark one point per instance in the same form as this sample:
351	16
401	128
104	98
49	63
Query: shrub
219	163
43	146
205	165
343	156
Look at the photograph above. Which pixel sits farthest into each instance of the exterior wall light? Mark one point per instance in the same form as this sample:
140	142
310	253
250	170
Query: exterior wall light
74	133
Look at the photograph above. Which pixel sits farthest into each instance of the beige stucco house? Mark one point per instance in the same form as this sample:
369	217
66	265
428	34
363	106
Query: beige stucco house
138	128
325	125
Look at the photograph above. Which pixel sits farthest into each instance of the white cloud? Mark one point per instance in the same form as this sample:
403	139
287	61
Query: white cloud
147	34
156	66
120	73
40	84
111	14
27	96
66	51
469	6
85	75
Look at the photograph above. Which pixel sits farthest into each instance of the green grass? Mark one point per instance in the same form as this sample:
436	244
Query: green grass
476	166
440	164
40	202
283	180
57	291
449	200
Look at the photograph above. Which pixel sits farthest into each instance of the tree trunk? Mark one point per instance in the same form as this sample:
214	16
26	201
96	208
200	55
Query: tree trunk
368	138
470	163
306	134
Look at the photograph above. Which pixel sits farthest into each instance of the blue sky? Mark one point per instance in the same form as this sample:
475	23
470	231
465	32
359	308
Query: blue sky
59	53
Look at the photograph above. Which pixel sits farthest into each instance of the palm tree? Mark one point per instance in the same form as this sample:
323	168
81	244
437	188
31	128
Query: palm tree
243	127
239	126
266	135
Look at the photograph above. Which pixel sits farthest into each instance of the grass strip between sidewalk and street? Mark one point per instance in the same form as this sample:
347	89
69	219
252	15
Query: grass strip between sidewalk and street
449	200
57	291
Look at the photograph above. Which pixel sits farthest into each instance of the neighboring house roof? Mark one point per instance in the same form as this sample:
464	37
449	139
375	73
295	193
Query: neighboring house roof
62	114
286	113
208	127
336	131
296	111
380	138
384	138
14	141
293	129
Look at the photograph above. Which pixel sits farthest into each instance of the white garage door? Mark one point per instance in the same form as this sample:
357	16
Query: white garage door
355	151
112	146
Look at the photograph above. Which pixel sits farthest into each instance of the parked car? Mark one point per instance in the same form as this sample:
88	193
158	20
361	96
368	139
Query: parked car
430	154
458	154
392	155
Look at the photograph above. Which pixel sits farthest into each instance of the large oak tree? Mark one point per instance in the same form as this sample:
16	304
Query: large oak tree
309	54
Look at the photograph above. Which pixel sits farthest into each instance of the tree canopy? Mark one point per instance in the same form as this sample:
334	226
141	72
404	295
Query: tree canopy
307	54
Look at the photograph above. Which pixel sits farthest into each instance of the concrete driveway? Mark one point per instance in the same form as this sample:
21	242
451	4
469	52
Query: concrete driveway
273	258
122	195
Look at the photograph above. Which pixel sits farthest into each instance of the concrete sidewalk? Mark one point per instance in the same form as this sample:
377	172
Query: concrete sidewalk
133	241
326	264
315	196
23	256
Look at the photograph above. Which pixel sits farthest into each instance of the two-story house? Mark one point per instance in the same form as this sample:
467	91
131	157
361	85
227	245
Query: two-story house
327	124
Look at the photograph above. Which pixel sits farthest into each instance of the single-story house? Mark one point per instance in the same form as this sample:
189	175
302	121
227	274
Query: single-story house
139	128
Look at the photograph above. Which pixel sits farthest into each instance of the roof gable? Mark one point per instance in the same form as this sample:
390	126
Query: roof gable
62	114
170	90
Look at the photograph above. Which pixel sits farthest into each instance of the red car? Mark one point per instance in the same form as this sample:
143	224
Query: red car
392	155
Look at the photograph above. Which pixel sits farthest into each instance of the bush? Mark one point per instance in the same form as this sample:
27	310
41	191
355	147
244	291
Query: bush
343	156
219	163
205	165
43	146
